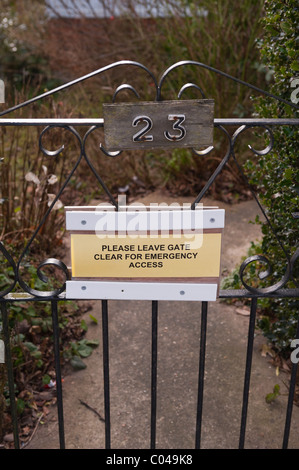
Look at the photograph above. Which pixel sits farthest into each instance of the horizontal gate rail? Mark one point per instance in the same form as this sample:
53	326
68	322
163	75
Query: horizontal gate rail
100	122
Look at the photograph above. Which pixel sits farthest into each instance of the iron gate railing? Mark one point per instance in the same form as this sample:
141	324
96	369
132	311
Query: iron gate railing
56	296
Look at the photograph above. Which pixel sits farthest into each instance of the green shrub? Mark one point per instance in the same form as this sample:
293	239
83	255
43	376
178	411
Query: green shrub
276	174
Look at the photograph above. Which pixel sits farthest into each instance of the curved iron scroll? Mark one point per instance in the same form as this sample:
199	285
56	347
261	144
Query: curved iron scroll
83	155
263	275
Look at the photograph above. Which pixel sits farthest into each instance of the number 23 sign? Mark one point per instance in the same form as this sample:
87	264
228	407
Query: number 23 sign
162	124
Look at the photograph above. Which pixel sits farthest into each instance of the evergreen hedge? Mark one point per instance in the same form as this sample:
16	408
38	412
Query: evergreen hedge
276	174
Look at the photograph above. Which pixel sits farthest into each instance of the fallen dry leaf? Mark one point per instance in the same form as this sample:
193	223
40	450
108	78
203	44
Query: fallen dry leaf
266	349
243	311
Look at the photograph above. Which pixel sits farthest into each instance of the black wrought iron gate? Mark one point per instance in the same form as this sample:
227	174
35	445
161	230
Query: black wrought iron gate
57	296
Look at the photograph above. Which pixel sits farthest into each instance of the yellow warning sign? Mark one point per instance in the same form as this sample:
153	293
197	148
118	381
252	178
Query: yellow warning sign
145	257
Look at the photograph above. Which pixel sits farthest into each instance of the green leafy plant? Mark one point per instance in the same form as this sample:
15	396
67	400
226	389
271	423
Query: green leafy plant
270	397
275	177
32	352
78	350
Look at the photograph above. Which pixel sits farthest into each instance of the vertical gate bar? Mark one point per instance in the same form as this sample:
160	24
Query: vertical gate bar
55	324
105	336
290	399
10	377
154	372
202	355
250	339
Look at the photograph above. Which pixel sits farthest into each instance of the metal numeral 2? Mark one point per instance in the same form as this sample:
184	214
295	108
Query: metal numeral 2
141	136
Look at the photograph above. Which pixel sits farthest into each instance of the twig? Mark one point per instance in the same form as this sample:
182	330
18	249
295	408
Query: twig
92	409
34	431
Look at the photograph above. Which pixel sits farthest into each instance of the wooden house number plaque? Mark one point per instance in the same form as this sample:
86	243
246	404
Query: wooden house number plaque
161	124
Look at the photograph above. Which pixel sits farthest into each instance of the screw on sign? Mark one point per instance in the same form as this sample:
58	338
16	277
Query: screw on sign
170	253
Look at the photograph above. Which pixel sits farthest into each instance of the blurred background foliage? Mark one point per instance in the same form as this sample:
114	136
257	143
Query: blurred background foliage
45	43
275	176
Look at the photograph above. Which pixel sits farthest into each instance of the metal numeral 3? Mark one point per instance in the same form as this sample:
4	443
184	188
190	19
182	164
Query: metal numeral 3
177	125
